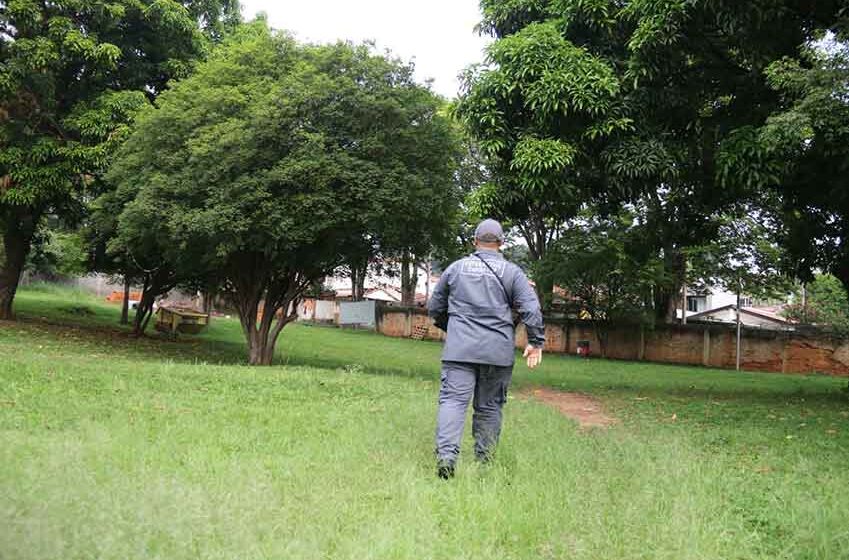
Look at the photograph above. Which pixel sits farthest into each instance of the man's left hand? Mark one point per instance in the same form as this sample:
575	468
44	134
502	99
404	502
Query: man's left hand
533	355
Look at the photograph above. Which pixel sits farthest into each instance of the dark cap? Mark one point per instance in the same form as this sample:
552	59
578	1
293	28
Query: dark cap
489	231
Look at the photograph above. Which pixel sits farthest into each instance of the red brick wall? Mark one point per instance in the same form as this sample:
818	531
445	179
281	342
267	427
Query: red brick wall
710	345
402	322
393	323
680	346
623	344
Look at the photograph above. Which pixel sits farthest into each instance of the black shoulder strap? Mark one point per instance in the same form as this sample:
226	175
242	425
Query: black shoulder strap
500	283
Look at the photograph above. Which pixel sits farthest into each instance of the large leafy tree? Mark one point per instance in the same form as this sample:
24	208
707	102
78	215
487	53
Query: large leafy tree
384	117
261	169
72	74
540	108
802	153
700	71
656	102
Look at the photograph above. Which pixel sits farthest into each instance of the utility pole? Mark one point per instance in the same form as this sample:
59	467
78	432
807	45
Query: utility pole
805	303
427	282
739	329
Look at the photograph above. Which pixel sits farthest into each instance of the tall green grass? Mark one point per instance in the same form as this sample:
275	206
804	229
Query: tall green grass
116	448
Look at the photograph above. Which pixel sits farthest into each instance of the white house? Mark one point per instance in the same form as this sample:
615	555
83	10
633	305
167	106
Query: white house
712	298
382	287
765	318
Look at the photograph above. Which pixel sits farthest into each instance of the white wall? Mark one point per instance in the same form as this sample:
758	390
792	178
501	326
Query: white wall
720	298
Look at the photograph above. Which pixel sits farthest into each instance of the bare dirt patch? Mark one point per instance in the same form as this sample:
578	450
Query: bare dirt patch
584	409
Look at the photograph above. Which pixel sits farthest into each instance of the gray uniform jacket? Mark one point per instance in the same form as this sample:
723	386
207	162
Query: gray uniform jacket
480	321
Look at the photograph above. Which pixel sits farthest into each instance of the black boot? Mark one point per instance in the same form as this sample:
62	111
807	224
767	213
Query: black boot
445	470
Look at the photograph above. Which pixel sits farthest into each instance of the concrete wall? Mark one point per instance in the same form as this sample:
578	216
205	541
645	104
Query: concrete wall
693	344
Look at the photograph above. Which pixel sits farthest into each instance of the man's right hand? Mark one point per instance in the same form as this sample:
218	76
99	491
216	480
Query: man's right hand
533	355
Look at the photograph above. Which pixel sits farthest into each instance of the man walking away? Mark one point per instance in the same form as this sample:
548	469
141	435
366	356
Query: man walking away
473	303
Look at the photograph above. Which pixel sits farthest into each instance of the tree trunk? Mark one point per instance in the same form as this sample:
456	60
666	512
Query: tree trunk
428	275
602	333
262	338
261	349
536	237
143	312
668	297
17	241
156	284
125	304
359	270
544	288
409	279
207	299
254	283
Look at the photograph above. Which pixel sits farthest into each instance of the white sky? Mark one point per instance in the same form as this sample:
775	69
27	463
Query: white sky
438	35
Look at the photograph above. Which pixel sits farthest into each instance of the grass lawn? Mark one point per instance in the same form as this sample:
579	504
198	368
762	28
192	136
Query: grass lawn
116	448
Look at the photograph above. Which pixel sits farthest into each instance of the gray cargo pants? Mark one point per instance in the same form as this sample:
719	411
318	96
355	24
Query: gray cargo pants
460	382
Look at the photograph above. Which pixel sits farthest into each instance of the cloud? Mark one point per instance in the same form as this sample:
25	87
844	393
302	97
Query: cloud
438	35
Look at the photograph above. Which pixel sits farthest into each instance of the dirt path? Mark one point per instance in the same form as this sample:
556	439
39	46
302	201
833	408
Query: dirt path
586	410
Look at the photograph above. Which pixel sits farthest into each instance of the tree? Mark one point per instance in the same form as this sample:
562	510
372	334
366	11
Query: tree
606	276
57	255
402	128
805	147
539	109
107	256
745	257
676	88
822	302
257	171
71	73
713	60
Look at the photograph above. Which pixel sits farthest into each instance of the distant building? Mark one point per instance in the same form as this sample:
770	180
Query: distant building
699	301
764	318
712	305
383	288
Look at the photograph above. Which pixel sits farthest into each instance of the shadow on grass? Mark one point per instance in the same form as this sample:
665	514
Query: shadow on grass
217	347
92	323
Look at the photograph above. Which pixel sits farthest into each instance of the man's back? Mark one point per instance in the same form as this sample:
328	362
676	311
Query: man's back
476	292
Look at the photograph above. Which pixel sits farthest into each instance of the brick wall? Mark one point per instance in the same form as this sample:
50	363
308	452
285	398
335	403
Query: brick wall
402	322
694	344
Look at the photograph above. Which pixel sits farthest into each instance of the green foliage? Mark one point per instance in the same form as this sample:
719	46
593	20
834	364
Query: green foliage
69	75
73	74
58	255
745	253
825	303
539	109
807	140
605	275
263	169
675	108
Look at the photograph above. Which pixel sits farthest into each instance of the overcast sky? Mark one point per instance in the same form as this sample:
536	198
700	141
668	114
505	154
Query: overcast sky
438	35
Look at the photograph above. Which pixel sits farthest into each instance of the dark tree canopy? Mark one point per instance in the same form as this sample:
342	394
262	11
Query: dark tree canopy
641	102
262	169
72	74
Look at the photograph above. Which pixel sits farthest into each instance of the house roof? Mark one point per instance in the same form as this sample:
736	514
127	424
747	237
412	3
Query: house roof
383	294
766	313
